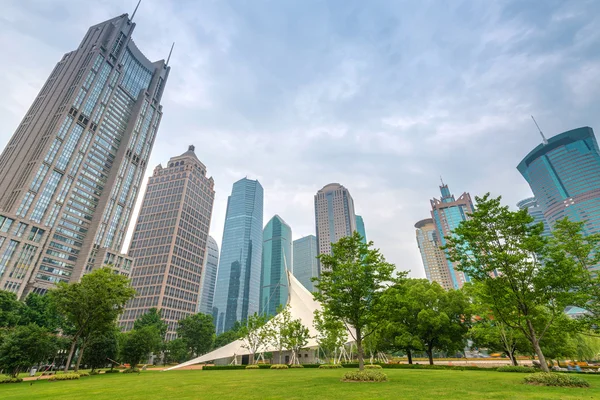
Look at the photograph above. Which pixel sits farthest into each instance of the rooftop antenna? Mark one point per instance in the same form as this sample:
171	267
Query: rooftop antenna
170	52
134	11
541	133
441	180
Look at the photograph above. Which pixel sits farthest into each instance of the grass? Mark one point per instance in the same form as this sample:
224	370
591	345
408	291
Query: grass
295	384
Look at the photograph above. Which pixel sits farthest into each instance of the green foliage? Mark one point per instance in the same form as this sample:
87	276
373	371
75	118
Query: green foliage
252	366
64	377
8	379
198	333
279	366
139	343
551	379
516	368
296	366
428	366
10	309
177	350
373	366
41	310
295	336
131	371
112	371
332	333
280	324
228	336
224	367
364	376
153	318
83	373
330	366
349	288
100	347
255	338
25	346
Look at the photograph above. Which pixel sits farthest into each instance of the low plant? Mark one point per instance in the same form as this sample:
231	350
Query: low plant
296	366
96	372
373	366
8	379
516	368
131	371
364	376
64	377
551	379
279	366
112	371
222	367
329	366
435	366
252	366
83	373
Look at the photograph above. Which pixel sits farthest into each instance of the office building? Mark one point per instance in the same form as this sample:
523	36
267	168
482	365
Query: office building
360	228
71	172
276	261
535	210
434	258
209	277
169	241
334	216
305	266
237	292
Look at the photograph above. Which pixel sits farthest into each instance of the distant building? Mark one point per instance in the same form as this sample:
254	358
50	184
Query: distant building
447	213
564	175
169	241
305	266
434	258
533	208
360	228
334	216
276	261
237	291
209	277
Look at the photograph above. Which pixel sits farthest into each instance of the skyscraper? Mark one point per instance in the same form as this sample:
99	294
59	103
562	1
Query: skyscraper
360	228
434	258
305	266
209	277
334	216
276	261
237	292
169	241
71	172
533	208
447	213
564	175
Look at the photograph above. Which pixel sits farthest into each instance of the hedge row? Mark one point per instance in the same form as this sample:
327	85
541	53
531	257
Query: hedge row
261	366
355	365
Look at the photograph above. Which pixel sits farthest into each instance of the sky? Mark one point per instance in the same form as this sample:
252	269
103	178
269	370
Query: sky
383	97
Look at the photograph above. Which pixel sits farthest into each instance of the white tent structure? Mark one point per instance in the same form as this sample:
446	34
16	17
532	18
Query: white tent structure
302	306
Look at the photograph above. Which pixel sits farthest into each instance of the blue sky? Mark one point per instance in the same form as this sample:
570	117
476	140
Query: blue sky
380	96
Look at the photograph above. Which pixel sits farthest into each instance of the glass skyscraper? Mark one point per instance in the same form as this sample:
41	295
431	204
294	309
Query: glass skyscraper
360	228
447	213
305	266
564	175
533	208
209	277
71	172
276	261
237	292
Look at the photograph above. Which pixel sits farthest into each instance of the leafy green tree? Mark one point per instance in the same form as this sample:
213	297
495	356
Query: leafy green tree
25	346
102	347
138	344
332	334
177	350
91	306
349	288
281	322
41	310
228	336
10	309
153	318
524	278
198	333
256	335
295	337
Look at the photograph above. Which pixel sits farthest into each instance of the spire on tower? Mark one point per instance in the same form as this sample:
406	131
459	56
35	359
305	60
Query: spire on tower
134	11
170	52
541	133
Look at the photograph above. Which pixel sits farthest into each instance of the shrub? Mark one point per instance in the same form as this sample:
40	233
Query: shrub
518	368
131	371
296	366
64	377
112	371
279	366
427	366
373	366
252	366
551	379
222	367
96	372
311	365
83	373
364	376
329	366
8	379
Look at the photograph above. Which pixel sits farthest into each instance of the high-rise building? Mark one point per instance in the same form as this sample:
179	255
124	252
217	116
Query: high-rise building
237	292
276	261
447	213
564	175
305	266
169	241
71	172
434	258
533	208
360	228
209	277
334	216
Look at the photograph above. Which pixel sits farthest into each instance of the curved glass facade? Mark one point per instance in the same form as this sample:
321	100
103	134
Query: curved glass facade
276	260
209	277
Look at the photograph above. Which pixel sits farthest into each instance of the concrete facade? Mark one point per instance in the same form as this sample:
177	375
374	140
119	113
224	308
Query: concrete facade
434	258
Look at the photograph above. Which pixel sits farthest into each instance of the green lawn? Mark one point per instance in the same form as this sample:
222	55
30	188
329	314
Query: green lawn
295	384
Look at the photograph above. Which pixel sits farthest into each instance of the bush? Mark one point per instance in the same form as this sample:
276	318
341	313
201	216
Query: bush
83	373
364	376
222	367
373	366
8	379
112	371
252	366
311	365
427	366
96	372
296	366
64	377
329	366
279	366
518	368
551	379
131	371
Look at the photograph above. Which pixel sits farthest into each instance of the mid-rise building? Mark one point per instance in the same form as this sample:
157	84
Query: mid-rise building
209	277
564	175
276	261
434	258
334	216
71	172
447	213
305	266
535	210
237	291
169	241
360	228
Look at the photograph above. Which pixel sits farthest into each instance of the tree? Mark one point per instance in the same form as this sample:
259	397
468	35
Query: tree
280	322
332	334
295	336
138	344
25	346
525	278
10	309
228	336
90	306
349	288
177	350
256	334
102	347
198	333
153	318
41	310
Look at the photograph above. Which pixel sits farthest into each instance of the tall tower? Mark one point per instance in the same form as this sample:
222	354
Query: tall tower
447	213
360	228
564	176
434	258
169	241
71	172
305	266
237	292
276	261
334	216
209	277
533	208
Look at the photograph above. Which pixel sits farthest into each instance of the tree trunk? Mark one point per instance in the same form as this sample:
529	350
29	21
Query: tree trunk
71	352
409	355
430	354
513	358
80	355
359	350
536	346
